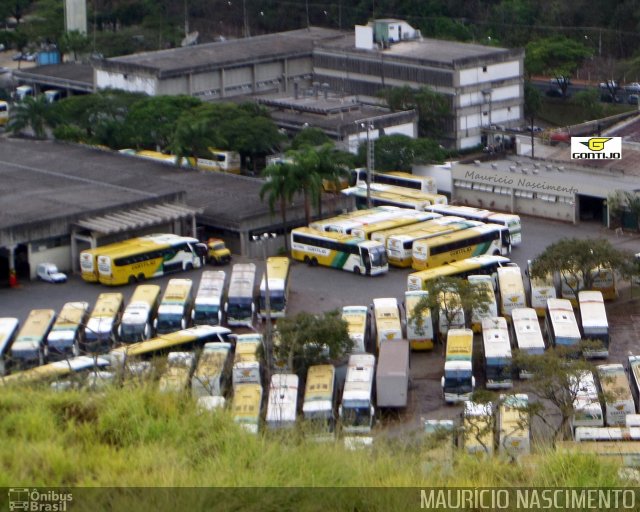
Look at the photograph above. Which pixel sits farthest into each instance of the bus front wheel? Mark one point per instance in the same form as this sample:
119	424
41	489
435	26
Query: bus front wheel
132	279
307	260
314	262
141	277
189	267
357	271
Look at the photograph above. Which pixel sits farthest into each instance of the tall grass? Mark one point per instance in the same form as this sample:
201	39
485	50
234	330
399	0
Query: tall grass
139	437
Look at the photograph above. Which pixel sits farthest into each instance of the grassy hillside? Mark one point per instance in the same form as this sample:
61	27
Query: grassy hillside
144	439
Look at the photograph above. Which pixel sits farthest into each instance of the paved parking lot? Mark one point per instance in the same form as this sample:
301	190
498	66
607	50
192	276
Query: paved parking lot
320	289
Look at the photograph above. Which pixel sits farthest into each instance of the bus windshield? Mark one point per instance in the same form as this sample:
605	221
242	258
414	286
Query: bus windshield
276	300
132	332
357	416
206	314
169	322
458	381
378	256
240	308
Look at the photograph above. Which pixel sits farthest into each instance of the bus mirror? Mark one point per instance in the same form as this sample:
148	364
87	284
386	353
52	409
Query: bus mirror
155	323
473	381
442	382
183	323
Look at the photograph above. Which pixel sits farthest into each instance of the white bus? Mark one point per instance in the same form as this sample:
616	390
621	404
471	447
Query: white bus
240	307
207	307
29	347
346	222
320	397
67	332
357	318
386	320
345	252
497	353
8	331
425	184
419	330
220	160
618	400
276	280
403	218
486	282
174	312
514	432
213	373
511	289
140	313
102	326
246	362
478	423
527	335
511	221
247	405
283	401
604	434
540	289
561	324
356	410
587	410
595	326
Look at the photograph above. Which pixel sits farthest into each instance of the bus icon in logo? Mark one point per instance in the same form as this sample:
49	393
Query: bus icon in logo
18	498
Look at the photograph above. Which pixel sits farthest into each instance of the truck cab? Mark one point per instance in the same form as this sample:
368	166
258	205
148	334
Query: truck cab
218	253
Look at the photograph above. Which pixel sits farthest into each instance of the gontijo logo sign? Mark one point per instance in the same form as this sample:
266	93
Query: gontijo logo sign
596	148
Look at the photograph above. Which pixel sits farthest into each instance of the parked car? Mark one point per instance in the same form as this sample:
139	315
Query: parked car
560	137
609	84
556	80
49	272
632	99
632	87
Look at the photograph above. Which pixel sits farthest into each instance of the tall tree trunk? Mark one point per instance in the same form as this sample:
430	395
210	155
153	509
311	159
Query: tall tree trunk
283	212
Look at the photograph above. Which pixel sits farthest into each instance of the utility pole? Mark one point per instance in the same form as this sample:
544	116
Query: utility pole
268	352
370	161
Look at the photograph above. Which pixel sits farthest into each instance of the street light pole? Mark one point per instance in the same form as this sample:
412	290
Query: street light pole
370	159
262	240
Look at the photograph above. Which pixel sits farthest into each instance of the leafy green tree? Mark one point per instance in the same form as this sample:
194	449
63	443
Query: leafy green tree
590	102
458	295
46	21
32	113
556	56
307	339
194	134
399	152
576	259
279	188
152	121
556	380
310	137
252	136
74	42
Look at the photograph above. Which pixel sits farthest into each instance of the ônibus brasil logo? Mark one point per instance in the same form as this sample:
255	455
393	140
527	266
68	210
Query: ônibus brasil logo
596	148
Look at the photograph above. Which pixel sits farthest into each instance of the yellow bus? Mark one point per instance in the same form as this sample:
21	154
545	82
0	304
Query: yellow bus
344	252
514	433
100	333
604	281
220	160
400	245
386	197
540	289
89	260
475	241
458	381
140	313
246	362
8	330
386	320
486	264
420	334
163	158
67	333
29	348
485	283
174	312
142	258
406	218
357	318
319	404
246	406
511	290
187	339
276	280
177	373
55	370
213	373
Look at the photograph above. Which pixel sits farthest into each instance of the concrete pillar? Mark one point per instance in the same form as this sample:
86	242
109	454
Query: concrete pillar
222	84
194	231
244	243
12	257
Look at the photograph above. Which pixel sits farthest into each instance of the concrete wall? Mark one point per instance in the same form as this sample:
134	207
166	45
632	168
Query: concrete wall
38	253
126	82
489	73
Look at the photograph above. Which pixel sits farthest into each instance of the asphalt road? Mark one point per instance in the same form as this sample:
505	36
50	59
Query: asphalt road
318	289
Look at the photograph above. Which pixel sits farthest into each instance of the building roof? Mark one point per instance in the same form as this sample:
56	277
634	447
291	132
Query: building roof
203	57
45	181
71	75
427	51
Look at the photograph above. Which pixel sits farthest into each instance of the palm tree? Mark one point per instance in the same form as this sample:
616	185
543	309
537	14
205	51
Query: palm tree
333	168
306	178
279	187
33	113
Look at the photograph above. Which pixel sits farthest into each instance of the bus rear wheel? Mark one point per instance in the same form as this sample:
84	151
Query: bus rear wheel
357	271
189	266
132	279
307	260
141	277
314	262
